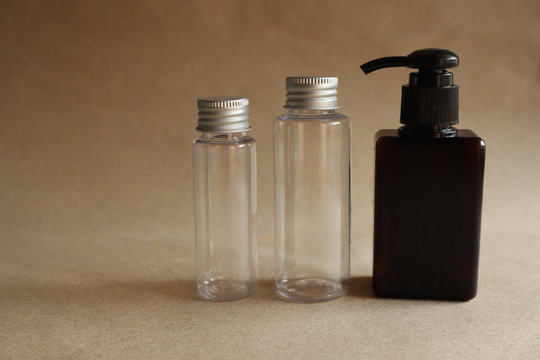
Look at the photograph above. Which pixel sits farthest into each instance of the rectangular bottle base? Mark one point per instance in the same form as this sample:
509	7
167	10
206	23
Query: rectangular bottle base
424	294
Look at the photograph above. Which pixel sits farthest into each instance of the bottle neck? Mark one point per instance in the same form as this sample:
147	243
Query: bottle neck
309	113
435	131
224	137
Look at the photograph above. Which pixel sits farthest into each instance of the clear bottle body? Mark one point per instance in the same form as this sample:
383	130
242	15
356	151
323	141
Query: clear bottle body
225	184
312	199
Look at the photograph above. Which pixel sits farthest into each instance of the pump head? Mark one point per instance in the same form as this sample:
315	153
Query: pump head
431	98
419	59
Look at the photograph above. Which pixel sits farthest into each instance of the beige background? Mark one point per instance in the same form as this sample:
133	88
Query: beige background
97	111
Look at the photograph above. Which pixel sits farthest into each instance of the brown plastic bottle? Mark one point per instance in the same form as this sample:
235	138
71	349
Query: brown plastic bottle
428	205
428	191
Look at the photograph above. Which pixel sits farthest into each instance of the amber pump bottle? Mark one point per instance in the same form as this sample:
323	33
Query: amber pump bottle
428	188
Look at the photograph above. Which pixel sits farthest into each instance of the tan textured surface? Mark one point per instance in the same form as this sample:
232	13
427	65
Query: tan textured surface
97	110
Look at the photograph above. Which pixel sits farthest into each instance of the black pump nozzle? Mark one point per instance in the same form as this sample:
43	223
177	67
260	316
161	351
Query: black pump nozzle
419	59
384	62
430	98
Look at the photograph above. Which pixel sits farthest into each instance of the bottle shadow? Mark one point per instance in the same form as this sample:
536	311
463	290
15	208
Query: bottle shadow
141	291
266	290
362	287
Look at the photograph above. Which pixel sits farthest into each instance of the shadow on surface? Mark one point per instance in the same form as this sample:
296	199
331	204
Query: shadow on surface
361	286
266	290
139	291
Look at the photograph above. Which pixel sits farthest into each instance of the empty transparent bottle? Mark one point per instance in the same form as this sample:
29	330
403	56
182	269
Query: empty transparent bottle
225	182
312	192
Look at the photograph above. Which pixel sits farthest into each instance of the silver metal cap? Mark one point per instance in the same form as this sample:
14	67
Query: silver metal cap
223	114
312	93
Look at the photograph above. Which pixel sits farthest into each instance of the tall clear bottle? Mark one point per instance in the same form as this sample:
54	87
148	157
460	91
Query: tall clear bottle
225	184
312	192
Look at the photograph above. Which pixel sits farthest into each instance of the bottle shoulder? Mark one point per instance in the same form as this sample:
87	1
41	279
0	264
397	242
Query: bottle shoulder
464	136
330	121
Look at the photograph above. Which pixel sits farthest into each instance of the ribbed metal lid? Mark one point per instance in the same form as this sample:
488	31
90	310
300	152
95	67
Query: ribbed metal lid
223	114
312	93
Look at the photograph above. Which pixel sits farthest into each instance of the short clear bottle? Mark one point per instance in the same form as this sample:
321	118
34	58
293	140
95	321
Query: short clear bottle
225	193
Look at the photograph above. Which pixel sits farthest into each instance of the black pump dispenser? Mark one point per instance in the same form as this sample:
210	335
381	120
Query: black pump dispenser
429	180
430	99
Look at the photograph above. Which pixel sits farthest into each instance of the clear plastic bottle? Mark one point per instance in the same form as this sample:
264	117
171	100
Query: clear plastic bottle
312	192
225	183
